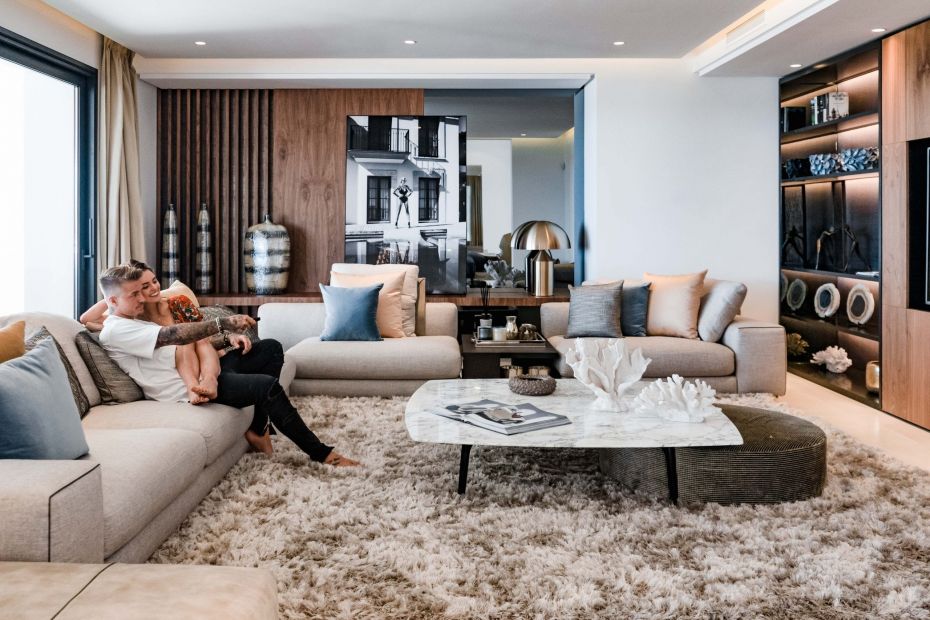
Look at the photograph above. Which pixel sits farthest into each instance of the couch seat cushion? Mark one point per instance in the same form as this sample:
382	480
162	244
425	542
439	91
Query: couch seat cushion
218	425
669	355
423	357
143	471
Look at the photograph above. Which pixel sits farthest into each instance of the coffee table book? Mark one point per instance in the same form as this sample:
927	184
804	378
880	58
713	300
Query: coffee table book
480	413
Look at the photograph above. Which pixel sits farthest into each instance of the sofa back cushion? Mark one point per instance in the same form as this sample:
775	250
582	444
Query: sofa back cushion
390	318
408	293
113	384
634	304
720	304
594	311
40	419
674	302
77	392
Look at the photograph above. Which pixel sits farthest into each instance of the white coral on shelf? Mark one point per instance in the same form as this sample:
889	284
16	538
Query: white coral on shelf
677	400
834	358
607	368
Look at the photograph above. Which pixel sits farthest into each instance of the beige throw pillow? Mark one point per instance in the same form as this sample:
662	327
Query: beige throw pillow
179	288
408	293
674	302
12	343
390	317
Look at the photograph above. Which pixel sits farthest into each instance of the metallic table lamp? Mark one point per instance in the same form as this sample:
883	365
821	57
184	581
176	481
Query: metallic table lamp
539	236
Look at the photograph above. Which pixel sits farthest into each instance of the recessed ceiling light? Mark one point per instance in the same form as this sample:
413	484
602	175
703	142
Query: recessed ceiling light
878	30
523	134
619	43
410	42
200	42
795	66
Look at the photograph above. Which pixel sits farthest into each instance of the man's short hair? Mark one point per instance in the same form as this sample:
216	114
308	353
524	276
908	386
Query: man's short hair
111	280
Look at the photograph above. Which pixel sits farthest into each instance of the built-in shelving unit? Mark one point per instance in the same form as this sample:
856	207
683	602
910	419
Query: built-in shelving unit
847	202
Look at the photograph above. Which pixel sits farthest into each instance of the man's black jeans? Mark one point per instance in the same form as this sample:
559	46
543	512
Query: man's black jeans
252	379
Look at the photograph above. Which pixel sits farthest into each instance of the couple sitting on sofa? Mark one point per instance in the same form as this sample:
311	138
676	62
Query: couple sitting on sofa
172	354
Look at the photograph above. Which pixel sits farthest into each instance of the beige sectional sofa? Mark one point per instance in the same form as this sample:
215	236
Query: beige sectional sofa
150	464
389	367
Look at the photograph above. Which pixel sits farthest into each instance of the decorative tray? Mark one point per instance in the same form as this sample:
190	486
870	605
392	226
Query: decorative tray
538	341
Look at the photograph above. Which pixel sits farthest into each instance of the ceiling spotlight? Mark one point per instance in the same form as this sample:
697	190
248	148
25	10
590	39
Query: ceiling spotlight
200	42
878	30
523	135
795	66
619	43
410	42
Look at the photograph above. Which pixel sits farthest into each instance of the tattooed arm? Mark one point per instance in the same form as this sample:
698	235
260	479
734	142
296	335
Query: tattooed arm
186	333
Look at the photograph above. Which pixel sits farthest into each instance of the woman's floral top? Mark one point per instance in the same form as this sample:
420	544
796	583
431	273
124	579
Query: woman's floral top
183	310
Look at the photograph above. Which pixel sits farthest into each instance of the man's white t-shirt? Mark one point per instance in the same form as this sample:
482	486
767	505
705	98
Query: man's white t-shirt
131	344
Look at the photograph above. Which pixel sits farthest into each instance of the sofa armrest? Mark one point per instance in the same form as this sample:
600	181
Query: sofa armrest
51	511
553	318
290	324
442	319
761	355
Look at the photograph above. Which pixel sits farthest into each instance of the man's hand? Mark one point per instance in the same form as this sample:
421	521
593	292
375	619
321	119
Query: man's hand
237	323
240	341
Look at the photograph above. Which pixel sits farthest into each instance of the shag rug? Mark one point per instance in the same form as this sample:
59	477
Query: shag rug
541	534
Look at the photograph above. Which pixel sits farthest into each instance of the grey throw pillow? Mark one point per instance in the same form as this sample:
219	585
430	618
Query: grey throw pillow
635	304
211	312
80	398
720	304
115	385
595	311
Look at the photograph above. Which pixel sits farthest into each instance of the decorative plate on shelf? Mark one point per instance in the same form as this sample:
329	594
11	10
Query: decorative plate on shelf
826	300
797	293
860	305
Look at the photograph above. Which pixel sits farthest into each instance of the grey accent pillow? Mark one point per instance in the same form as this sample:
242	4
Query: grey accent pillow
115	385
80	398
634	306
720	304
595	311
211	312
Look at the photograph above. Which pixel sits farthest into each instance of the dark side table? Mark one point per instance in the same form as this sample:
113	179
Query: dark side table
484	362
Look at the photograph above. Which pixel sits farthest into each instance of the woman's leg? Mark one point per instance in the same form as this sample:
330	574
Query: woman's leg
209	364
185	359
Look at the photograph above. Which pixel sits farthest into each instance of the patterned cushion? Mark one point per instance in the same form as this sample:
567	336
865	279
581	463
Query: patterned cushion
115	385
594	311
211	312
80	398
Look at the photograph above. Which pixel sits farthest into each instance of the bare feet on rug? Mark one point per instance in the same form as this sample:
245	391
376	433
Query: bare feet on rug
198	395
337	460
260	443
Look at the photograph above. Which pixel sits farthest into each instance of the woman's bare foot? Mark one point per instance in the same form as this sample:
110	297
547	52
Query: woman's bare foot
197	395
261	443
211	386
337	460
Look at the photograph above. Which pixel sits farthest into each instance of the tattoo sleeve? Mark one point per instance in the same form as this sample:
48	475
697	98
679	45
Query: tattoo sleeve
185	333
218	341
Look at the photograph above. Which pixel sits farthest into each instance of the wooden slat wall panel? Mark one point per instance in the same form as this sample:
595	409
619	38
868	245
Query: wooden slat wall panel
214	147
308	189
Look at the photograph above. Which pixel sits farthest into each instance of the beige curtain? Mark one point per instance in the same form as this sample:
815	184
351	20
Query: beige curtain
119	194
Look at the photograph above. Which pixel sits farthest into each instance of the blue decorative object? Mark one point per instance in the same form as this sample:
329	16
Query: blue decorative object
40	419
634	301
859	159
350	312
824	163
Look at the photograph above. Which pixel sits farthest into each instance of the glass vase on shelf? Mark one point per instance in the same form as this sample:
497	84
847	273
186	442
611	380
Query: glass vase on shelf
513	332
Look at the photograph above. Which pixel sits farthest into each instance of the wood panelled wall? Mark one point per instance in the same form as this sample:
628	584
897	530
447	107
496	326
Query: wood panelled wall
310	170
248	152
214	147
905	332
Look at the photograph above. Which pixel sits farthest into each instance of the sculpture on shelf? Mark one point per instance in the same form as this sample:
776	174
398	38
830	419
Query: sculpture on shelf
267	258
854	248
797	346
834	358
794	242
503	275
607	368
677	400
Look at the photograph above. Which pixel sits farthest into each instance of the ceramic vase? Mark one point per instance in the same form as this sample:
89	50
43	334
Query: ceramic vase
267	258
873	377
203	280
169	247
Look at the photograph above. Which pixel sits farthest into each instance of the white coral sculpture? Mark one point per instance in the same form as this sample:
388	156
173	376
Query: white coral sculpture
607	368
677	400
834	358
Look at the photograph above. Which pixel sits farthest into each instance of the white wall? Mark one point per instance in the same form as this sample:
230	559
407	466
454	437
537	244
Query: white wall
495	158
147	105
538	180
37	21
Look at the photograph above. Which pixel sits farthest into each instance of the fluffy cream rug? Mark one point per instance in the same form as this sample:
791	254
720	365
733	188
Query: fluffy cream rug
541	534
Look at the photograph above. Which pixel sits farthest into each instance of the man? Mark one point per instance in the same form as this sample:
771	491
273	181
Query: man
151	353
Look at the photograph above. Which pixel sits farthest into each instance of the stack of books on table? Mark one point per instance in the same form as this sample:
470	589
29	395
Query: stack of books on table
503	418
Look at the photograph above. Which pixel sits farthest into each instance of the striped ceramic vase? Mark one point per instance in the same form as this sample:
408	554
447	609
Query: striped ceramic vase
203	280
169	247
267	257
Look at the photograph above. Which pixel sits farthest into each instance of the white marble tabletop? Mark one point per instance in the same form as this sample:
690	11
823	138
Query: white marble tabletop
589	428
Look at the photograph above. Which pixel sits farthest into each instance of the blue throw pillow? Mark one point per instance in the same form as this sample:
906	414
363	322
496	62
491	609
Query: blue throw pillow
38	417
634	302
350	312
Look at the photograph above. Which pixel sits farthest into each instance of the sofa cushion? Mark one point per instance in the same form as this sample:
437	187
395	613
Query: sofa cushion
113	384
408	293
80	398
11	341
720	304
389	316
594	311
686	357
674	302
218	425
351	313
143	470
426	357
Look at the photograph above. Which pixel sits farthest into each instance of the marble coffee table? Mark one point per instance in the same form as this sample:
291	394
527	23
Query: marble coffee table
589	428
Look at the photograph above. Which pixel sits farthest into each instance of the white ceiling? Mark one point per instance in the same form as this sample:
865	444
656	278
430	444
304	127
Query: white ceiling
378	28
506	113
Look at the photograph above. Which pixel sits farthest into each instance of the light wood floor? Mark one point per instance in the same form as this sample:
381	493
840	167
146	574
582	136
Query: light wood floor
905	442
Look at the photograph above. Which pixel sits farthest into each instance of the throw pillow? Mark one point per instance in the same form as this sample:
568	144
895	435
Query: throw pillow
115	386
594	311
420	329
179	288
390	317
634	304
80	398
350	313
720	304
673	304
40	419
211	312
408	293
11	341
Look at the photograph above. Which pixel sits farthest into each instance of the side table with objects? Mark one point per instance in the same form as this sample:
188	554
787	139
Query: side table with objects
483	359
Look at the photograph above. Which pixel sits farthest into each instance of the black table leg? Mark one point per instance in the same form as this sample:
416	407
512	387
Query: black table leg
671	471
463	468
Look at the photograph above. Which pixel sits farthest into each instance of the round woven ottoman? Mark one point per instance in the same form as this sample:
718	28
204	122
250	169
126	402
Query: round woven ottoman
783	459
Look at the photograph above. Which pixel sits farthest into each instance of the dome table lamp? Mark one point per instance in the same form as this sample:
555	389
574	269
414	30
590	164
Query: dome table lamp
539	236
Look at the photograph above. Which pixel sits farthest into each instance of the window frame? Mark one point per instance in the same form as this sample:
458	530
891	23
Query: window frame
426	207
31	55
383	198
